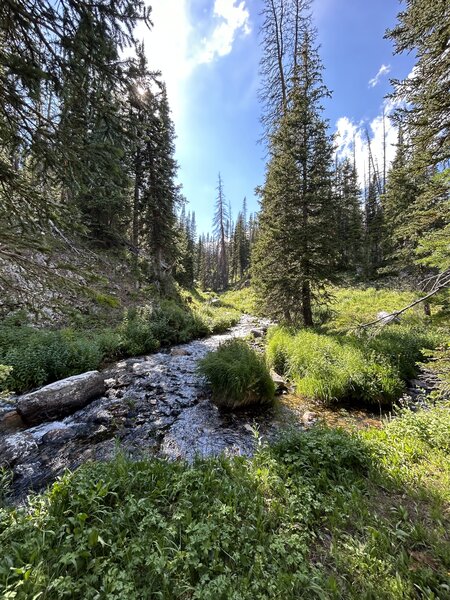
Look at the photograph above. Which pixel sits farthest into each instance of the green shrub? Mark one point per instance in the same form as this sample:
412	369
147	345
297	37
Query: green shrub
41	357
137	334
5	371
237	375
402	345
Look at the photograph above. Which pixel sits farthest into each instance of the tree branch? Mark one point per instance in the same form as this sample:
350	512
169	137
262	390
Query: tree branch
396	313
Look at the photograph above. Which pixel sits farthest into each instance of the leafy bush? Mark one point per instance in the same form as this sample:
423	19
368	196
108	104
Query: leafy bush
137	334
237	375
39	357
321	514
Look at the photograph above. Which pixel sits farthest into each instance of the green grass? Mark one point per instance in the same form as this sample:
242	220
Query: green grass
354	306
242	300
37	357
337	362
323	514
237	375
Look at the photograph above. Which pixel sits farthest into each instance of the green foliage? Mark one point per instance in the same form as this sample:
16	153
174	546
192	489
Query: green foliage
333	364
136	331
106	300
322	514
332	368
243	300
352	306
37	357
237	375
5	371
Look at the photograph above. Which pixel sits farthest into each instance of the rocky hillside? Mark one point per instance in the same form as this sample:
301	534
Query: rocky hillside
59	279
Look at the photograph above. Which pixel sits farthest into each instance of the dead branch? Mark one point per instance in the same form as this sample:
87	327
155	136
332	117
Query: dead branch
437	288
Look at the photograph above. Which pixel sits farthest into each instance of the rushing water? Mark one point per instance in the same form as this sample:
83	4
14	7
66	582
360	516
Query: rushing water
158	405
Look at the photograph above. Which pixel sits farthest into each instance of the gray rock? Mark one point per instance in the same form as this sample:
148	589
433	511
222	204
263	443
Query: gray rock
60	398
280	384
179	352
309	417
388	318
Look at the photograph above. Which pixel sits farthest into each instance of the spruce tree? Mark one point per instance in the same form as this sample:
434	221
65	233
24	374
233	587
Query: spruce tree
293	258
221	219
349	219
423	28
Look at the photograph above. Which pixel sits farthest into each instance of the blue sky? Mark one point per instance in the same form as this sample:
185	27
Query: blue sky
208	52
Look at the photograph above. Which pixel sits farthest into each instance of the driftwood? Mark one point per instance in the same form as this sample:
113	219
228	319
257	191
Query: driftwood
61	398
441	282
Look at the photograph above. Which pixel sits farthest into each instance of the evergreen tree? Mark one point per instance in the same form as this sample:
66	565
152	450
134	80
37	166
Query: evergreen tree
294	255
43	48
221	218
160	193
373	230
349	218
402	190
423	28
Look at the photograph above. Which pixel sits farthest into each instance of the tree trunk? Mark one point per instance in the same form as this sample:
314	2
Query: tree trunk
306	304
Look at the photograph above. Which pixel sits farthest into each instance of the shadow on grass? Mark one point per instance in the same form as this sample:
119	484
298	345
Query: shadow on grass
321	514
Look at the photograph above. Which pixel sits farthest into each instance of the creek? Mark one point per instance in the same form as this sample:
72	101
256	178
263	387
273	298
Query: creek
158	405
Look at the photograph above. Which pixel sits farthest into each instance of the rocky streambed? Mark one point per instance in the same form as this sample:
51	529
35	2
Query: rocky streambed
151	405
155	405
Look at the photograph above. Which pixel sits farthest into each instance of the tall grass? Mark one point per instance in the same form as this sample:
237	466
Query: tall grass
238	376
335	362
328	369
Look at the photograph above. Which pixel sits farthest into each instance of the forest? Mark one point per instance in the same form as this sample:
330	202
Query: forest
260	410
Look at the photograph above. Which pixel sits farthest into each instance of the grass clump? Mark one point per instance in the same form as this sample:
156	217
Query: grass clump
328	369
323	514
238	376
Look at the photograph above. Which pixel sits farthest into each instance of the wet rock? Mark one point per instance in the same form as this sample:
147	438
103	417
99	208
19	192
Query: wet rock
280	384
10	420
309	417
179	352
16	449
60	398
257	333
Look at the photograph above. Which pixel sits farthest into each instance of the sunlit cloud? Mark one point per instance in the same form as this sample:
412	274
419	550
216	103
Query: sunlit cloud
176	47
352	140
231	20
383	70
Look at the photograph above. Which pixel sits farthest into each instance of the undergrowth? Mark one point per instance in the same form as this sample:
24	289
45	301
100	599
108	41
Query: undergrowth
36	357
337	361
237	375
322	514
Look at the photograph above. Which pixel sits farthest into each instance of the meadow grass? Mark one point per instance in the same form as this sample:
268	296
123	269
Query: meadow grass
339	362
325	514
238	376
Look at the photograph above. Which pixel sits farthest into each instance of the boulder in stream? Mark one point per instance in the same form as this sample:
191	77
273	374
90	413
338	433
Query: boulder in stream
61	398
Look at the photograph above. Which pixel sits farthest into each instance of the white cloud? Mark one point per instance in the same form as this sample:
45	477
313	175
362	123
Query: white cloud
383	70
351	140
232	20
175	46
